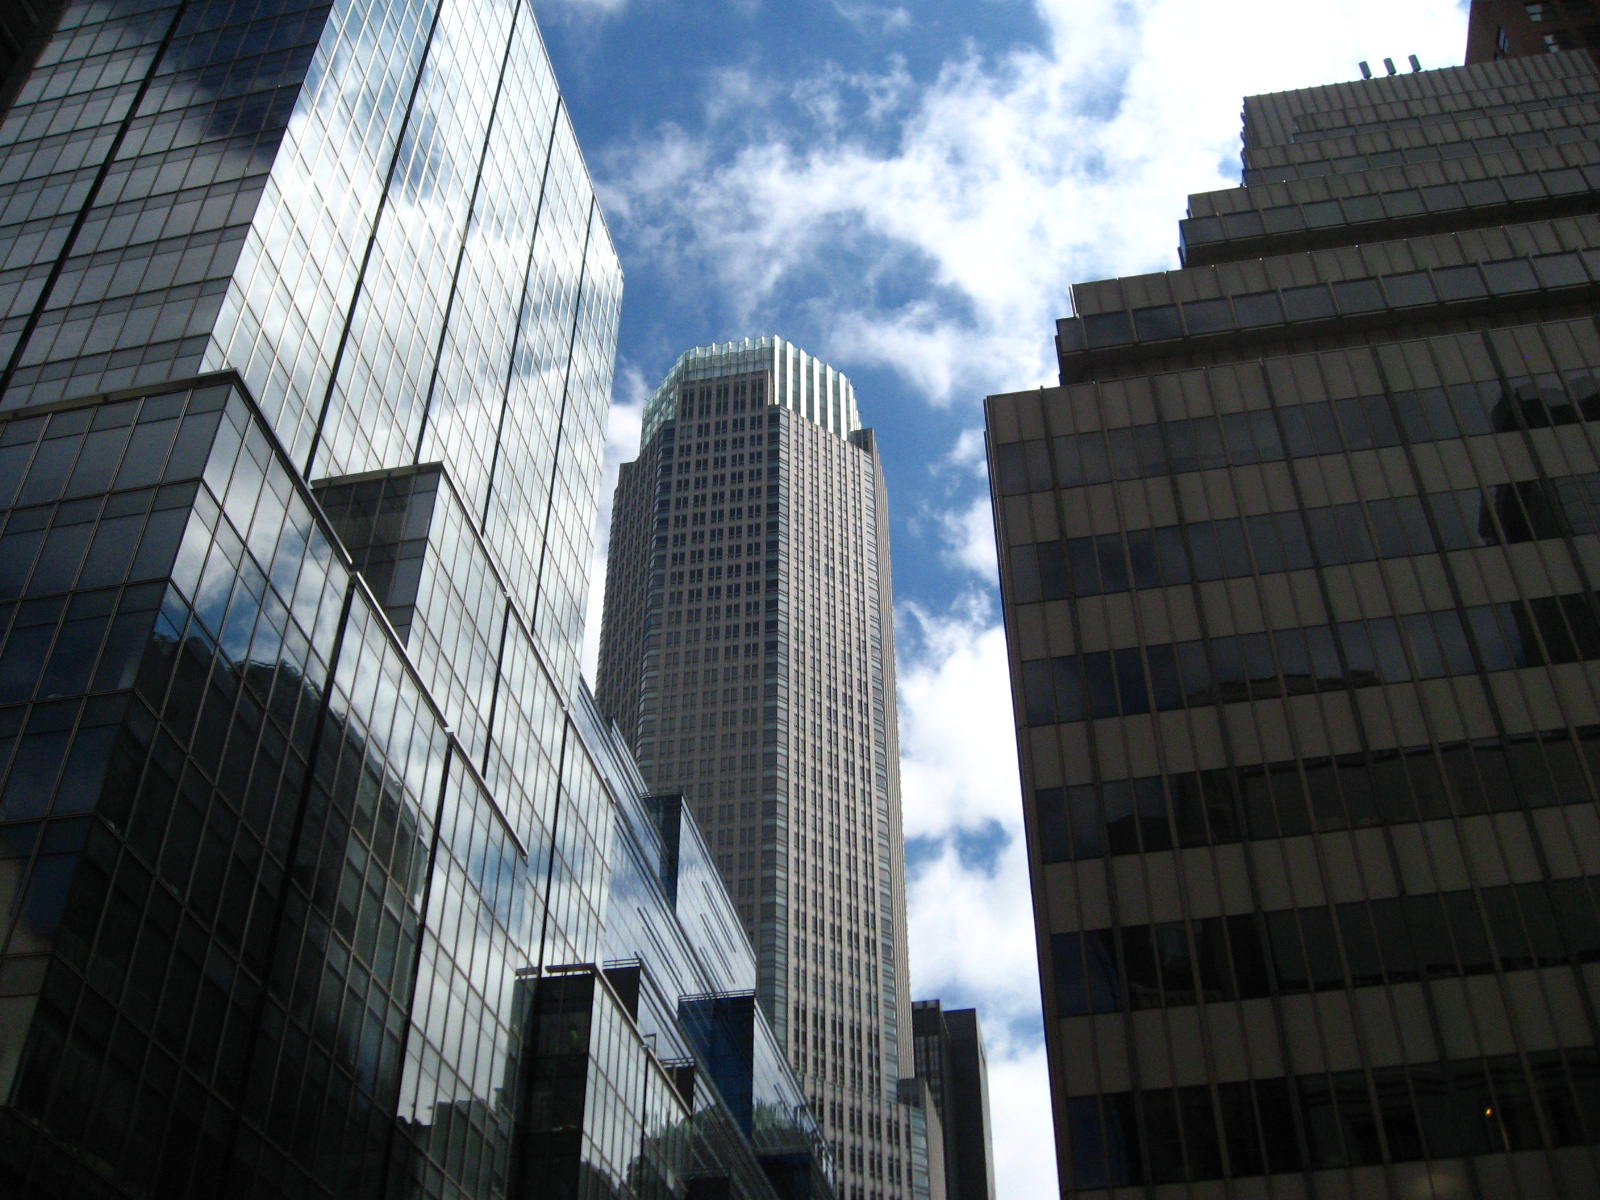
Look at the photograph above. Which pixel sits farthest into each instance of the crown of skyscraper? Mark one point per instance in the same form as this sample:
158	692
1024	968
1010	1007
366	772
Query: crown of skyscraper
805	385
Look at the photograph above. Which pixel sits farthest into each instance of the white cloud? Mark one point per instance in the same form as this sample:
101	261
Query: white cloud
1013	177
958	751
670	155
972	935
969	454
582	9
869	97
972	944
883	18
968	535
1019	1104
735	91
629	393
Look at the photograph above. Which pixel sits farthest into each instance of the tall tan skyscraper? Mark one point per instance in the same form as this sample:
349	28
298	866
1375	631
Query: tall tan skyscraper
747	655
1300	568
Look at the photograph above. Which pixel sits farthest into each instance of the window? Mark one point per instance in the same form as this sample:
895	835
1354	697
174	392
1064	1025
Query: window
1510	275
1107	329
1357	296
1412	287
1207	316
1258	308
1157	324
1310	303
1458	283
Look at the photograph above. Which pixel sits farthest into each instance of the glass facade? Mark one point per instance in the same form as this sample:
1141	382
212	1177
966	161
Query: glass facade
1299	569
318	874
747	656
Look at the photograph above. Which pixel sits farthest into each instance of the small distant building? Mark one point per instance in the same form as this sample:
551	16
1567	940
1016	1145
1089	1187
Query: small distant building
949	1050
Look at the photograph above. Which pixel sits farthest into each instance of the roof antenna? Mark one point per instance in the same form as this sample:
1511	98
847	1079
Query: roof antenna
1416	65
1388	65
1366	71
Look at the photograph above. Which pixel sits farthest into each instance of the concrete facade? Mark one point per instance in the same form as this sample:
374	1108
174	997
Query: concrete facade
1299	571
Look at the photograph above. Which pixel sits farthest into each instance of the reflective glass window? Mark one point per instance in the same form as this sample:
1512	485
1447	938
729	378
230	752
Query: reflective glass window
1509	275
1207	316
1560	270
1357	296
1157	324
1113	567
1258	308
1107	329
1409	288
1083	813
1069	462
1312	302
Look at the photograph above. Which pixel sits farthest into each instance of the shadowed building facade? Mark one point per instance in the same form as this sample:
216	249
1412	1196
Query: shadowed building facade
1299	567
1513	28
319	875
951	1060
747	655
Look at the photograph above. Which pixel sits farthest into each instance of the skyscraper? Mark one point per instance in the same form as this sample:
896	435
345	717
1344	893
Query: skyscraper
1299	575
310	840
949	1051
747	655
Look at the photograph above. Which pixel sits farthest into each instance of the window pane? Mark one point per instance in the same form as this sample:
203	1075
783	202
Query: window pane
1156	324
1083	813
1069	689
1258	308
1510	275
1412	287
1055	835
1207	316
1025	574
1146	571
1107	329
1358	296
1310	303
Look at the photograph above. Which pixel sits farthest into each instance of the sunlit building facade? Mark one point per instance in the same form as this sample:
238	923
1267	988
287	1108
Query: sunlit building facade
319	877
747	655
1300	568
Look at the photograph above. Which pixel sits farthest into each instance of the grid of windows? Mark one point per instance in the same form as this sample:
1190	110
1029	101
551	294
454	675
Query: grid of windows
299	787
1304	639
1341	1119
746	654
1400	939
1326	535
1288	798
1308	427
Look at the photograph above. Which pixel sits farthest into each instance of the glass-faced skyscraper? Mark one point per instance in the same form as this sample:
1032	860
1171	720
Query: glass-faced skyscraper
310	841
747	655
1300	568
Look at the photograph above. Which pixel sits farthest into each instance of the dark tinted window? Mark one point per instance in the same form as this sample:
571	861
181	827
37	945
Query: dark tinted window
1156	324
1207	316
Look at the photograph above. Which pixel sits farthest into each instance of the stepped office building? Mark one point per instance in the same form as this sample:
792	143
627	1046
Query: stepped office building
748	657
310	840
1300	567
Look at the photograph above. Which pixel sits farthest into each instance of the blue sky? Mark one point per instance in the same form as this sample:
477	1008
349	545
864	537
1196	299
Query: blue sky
907	191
